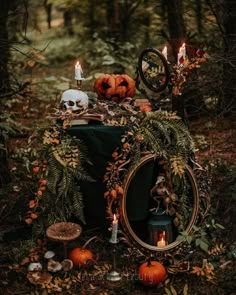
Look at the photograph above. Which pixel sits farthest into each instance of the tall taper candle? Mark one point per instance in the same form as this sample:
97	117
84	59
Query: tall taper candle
78	71
114	230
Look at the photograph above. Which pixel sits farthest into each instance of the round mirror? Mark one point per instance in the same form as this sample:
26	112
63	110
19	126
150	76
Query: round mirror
153	69
156	207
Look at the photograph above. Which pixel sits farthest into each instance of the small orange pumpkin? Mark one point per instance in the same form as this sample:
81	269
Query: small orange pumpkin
114	87
80	256
151	273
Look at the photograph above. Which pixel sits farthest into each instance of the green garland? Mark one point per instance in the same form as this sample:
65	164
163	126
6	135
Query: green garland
164	135
58	171
61	160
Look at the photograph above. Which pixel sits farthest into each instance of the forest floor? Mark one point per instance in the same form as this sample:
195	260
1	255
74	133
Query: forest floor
215	140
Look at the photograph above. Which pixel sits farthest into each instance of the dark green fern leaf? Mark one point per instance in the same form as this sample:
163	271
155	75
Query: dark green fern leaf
78	205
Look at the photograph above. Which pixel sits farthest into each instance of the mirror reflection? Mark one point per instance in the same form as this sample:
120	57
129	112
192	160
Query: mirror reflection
158	206
153	69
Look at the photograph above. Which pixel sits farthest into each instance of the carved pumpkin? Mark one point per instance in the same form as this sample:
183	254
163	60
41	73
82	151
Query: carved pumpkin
151	273
80	256
114	87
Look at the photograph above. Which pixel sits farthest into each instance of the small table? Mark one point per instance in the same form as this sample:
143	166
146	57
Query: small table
100	141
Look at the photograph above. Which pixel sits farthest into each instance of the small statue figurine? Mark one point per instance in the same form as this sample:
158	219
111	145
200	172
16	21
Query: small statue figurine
160	193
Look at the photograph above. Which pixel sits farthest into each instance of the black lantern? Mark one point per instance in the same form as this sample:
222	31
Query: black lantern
160	229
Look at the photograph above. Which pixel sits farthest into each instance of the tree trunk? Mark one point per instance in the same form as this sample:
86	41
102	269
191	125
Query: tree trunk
113	20
229	69
4	82
48	9
176	25
92	8
199	15
147	23
67	15
177	38
4	47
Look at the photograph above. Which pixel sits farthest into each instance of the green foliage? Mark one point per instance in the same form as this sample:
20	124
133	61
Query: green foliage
59	169
64	4
7	128
163	135
200	236
166	135
21	251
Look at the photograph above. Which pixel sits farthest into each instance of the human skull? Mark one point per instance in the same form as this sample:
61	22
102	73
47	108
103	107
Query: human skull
74	100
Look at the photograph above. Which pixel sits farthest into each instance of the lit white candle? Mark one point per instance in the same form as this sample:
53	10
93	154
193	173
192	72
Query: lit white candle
114	230
162	242
164	52
179	57
181	54
183	50
78	71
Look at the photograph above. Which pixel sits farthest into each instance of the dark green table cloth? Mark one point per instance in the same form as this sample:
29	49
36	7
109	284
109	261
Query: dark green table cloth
100	142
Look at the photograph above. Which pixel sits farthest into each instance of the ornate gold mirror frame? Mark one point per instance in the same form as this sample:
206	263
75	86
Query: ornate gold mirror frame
133	237
153	70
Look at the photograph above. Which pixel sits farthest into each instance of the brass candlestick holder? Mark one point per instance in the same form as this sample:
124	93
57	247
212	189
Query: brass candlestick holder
113	275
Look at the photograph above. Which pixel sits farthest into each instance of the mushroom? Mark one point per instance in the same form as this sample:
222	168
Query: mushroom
64	232
49	255
67	264
54	266
39	277
35	266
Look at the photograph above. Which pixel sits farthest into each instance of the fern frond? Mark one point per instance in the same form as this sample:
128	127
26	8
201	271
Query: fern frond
153	142
78	205
54	173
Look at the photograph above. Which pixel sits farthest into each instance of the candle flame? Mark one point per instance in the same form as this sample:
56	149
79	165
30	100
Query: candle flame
114	217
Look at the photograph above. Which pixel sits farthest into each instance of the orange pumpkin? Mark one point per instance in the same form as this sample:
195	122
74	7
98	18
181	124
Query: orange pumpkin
151	273
114	87
80	256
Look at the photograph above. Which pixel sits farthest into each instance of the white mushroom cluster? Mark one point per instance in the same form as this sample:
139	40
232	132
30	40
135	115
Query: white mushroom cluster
52	264
55	266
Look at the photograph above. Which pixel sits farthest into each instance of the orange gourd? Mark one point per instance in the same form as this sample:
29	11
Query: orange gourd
80	257
114	87
151	273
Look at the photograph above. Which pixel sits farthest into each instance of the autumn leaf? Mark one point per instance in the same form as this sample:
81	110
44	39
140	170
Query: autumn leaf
32	204
34	215
196	270
28	220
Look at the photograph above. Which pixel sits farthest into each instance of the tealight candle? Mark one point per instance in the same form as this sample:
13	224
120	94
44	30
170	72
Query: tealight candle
78	71
114	230
162	242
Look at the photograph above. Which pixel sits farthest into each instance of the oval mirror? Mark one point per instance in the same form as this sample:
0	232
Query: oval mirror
152	219
153	70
